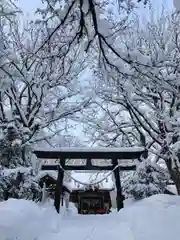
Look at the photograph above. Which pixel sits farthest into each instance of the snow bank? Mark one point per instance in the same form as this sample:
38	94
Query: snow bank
154	218
26	220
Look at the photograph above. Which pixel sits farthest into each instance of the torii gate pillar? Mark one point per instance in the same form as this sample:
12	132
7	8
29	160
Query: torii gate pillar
119	195
59	186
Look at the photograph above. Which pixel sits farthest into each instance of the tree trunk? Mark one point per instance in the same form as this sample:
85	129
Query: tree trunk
175	176
174	173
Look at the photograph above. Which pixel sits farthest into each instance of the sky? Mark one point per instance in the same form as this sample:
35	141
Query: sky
30	6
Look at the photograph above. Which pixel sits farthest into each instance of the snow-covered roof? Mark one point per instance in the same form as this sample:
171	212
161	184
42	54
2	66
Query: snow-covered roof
54	175
88	178
93	153
42	174
92	149
91	178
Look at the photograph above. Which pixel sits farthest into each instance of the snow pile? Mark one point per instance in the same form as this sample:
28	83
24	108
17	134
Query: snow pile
154	218
26	220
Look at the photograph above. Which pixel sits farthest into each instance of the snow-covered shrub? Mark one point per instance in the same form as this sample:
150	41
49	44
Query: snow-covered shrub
12	152
19	183
16	174
149	179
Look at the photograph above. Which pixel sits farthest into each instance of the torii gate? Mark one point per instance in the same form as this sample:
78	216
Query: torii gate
114	154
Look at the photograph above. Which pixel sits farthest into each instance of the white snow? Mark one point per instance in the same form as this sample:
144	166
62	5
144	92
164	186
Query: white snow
50	173
84	177
7	172
172	188
90	178
16	142
74	149
154	218
54	175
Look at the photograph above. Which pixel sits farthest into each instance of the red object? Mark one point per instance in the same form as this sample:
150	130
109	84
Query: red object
101	211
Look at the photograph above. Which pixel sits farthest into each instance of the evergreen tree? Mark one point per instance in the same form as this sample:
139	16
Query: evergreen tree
149	179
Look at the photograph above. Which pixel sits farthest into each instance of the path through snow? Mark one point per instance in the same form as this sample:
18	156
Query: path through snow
91	228
155	218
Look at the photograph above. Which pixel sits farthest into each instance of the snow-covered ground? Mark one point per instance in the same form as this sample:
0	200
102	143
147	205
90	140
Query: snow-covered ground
155	218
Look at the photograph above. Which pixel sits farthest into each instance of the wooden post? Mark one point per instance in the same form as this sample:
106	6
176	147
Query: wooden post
119	196
59	186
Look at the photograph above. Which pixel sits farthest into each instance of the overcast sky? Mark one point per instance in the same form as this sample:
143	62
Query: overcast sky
29	6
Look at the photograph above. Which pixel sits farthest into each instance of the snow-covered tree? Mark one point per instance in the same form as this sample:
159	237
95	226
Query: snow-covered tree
138	100
93	24
41	90
149	179
8	10
16	173
12	152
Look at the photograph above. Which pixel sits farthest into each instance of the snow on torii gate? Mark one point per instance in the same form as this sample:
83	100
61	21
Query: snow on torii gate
114	154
